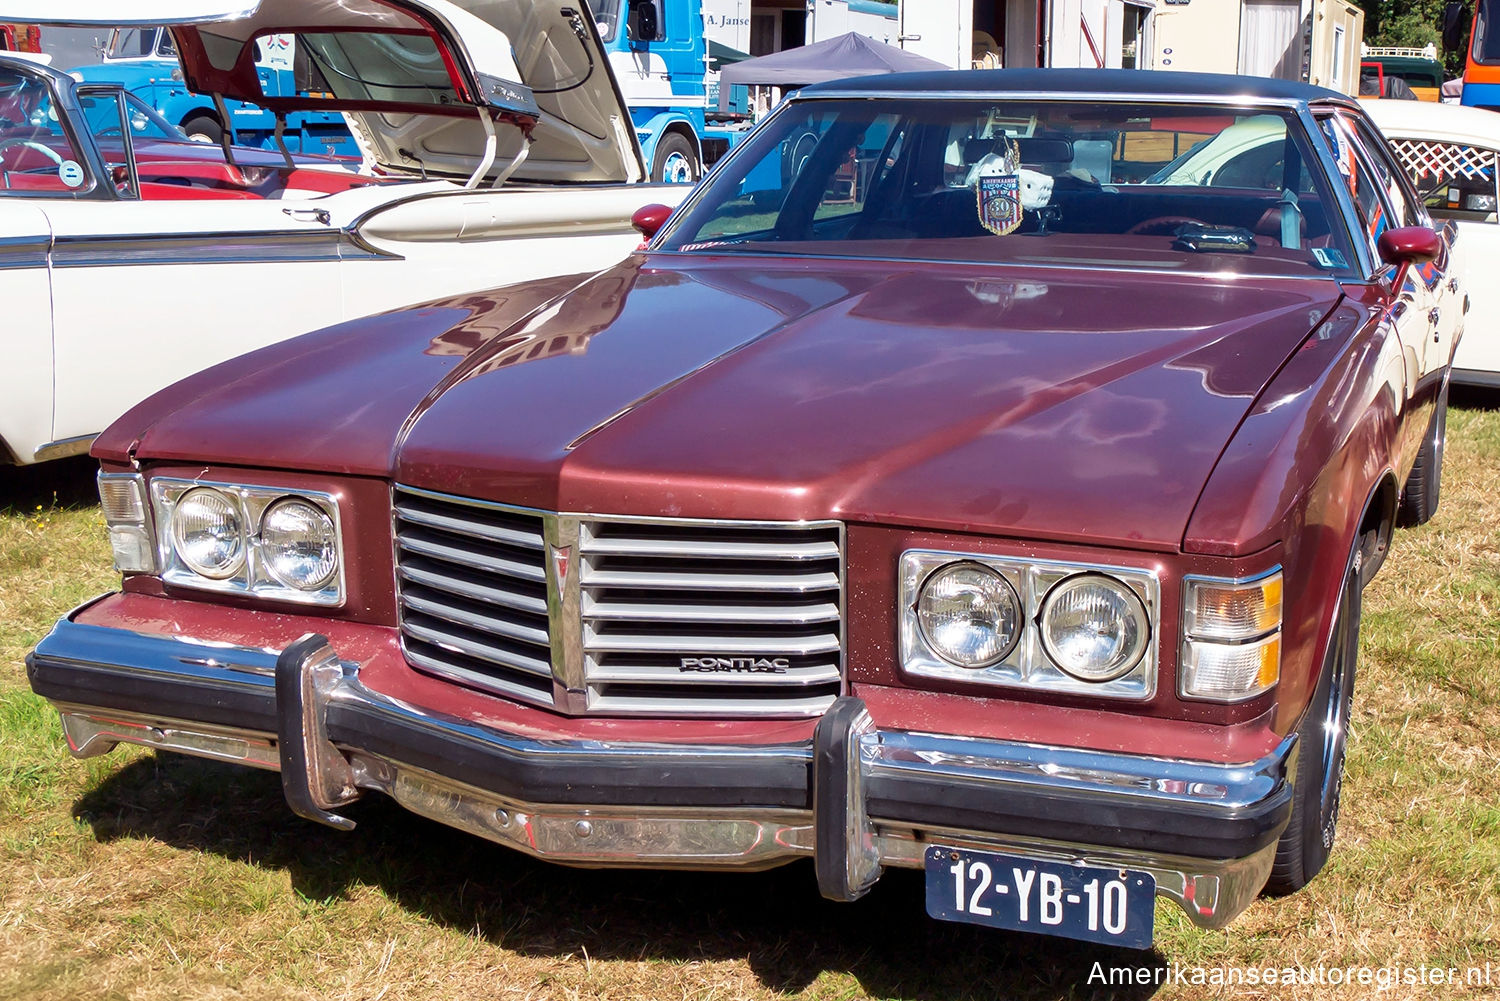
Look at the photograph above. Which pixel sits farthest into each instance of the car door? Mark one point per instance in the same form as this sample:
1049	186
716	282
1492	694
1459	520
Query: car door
1412	308
1440	277
148	290
26	299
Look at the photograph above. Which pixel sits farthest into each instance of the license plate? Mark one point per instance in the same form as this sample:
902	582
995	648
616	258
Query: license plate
1114	906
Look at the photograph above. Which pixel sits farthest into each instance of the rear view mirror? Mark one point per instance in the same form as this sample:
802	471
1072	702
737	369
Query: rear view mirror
1410	245
646	23
1455	22
649	219
1045	150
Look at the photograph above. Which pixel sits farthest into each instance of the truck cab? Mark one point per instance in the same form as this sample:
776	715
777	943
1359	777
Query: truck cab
144	61
659	56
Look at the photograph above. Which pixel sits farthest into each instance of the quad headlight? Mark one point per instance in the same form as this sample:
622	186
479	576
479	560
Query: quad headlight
1094	627
1029	623
260	541
969	614
299	544
208	533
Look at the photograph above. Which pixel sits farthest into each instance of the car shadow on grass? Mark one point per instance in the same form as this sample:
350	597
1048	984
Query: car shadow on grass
66	483
774	920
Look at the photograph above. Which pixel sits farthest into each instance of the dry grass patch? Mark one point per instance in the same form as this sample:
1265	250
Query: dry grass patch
138	876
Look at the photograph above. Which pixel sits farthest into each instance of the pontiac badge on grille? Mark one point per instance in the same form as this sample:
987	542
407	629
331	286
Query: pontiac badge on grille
735	665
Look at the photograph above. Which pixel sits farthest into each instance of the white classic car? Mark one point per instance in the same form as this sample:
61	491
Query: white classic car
502	150
1451	153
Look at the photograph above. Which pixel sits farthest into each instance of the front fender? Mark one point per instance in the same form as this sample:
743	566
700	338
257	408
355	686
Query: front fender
179	107
651	131
1302	469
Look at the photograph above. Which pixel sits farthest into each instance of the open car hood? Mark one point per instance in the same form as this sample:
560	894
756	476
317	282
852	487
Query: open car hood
415	77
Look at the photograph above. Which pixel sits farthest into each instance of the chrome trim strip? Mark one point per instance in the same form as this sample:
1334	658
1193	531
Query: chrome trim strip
1210	891
24	251
1053	97
1108	775
64	447
288	246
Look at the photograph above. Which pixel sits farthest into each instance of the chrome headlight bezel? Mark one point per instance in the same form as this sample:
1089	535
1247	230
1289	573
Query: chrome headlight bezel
253	578
1027	665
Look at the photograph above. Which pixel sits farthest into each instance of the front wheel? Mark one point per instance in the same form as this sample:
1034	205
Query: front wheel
675	162
203	129
1419	498
1321	739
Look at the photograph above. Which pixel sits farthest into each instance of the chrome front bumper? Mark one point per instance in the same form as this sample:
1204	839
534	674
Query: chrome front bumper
856	798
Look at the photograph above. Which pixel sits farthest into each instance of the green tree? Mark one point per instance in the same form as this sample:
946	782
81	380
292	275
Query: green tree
1410	22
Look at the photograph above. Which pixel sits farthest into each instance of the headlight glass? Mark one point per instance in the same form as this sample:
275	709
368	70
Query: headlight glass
1094	627
299	544
208	533
969	615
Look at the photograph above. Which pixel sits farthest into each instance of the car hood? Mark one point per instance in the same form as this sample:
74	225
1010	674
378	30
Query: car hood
537	64
1068	405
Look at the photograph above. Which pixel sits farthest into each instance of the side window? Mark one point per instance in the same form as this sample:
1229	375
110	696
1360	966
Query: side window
1361	180
1392	180
36	153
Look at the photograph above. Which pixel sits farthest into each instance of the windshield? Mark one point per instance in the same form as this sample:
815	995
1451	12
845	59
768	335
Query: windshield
1191	187
1486	38
606	16
140	43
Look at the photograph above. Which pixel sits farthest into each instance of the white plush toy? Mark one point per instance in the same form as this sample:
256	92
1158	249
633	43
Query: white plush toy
1036	187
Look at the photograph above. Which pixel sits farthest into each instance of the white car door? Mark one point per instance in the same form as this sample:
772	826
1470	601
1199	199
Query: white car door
25	376
147	292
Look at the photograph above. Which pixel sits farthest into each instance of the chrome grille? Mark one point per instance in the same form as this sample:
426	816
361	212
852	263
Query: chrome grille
473	588
620	616
697	618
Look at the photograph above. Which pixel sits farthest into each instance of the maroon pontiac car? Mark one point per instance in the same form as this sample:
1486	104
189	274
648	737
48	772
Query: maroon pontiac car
978	473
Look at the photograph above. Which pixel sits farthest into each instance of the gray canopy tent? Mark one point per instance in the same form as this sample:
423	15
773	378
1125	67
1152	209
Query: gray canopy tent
834	59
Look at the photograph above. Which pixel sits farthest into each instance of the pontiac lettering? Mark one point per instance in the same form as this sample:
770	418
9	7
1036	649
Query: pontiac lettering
735	665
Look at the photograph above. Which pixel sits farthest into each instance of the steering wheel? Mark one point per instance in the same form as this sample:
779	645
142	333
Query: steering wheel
1162	225
46	151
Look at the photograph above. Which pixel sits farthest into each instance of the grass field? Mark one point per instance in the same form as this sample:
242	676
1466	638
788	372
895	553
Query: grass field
137	875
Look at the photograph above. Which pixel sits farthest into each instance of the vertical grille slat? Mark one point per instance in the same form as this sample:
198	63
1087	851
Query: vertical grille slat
666	617
698	618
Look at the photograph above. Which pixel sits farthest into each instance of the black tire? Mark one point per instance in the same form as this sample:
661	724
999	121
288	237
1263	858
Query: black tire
203	129
1419	498
1321	741
675	162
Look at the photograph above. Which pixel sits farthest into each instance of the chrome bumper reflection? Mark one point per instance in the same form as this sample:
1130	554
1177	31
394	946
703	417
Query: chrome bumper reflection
855	768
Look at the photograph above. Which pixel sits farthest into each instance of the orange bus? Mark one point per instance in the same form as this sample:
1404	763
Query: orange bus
1482	63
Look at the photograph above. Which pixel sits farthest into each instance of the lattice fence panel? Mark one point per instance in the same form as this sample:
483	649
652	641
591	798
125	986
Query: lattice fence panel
1427	160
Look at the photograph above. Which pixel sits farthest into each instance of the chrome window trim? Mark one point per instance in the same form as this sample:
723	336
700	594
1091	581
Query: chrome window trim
1027	667
570	685
1122	269
251	580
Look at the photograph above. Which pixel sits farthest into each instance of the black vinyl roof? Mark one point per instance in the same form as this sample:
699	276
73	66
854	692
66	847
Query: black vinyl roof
1151	83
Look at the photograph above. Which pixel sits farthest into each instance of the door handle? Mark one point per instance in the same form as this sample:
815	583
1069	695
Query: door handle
323	216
